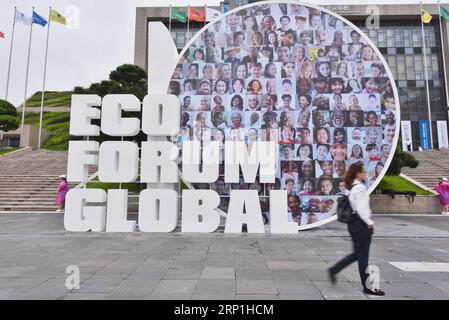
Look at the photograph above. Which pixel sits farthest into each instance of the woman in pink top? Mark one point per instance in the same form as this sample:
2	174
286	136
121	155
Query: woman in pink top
62	190
442	189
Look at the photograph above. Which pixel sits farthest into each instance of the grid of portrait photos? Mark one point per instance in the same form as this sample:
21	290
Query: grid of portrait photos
297	76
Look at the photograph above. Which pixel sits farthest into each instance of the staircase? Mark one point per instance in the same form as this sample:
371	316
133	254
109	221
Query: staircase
433	165
29	179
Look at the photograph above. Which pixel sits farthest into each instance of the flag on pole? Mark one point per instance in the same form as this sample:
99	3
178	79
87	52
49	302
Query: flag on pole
444	14
197	15
22	18
56	17
425	16
212	14
225	8
178	15
2	35
37	19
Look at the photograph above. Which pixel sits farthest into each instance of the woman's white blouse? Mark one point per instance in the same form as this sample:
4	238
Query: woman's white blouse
359	199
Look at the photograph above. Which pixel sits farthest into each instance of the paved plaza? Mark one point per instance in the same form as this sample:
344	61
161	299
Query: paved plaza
35	251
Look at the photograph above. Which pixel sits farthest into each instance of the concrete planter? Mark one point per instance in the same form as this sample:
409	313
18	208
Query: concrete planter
400	204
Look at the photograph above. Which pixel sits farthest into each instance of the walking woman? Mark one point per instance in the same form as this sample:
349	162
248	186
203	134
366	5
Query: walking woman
361	229
442	188
62	190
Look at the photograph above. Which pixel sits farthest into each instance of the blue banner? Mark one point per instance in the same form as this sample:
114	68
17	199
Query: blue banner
424	134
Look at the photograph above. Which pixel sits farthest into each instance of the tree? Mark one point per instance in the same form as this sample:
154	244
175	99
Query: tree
401	159
8	116
125	79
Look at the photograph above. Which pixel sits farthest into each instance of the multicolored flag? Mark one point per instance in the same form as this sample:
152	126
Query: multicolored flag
37	19
2	35
425	16
56	17
178	15
212	14
198	15
444	14
22	18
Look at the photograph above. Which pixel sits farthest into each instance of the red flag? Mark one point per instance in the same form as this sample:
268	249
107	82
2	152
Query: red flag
197	15
2	35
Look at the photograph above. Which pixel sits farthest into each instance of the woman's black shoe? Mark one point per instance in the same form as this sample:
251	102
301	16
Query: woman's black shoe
375	292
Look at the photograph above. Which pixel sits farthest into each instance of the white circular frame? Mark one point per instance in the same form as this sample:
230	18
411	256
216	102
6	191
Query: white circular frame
373	46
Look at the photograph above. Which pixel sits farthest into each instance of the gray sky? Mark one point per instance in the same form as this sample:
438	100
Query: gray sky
104	41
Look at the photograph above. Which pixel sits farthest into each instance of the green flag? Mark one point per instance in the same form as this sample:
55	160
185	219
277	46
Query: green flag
444	14
178	15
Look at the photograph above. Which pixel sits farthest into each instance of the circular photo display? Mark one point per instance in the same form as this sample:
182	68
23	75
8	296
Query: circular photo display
299	76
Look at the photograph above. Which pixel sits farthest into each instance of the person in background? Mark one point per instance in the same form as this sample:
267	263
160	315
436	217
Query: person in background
442	188
361	229
62	191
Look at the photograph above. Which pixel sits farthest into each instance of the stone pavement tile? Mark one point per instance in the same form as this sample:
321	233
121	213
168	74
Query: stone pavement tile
92	263
290	275
113	273
212	297
194	263
151	262
341	290
169	287
296	265
133	290
301	287
171	296
43	272
225	262
256	287
441	285
253	274
84	296
99	285
216	287
250	262
148	273
217	273
300	297
15	288
183	273
52	289
13	272
256	297
322	275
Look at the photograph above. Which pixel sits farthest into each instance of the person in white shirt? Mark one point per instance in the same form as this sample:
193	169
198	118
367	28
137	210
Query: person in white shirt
361	229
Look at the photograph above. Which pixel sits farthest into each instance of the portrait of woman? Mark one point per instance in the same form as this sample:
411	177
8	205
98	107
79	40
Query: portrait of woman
287	70
237	103
305	152
237	86
221	86
254	87
270	70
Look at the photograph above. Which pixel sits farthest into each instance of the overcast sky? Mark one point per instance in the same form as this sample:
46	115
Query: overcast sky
104	41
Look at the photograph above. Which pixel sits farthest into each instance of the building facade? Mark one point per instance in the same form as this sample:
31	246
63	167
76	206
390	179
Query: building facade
398	37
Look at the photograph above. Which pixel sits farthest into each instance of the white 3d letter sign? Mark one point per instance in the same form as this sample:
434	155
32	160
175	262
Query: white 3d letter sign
257	132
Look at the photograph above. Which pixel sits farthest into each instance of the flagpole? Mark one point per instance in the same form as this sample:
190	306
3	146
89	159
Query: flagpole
188	21
43	82
169	19
442	51
426	78
10	54
205	14
26	84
